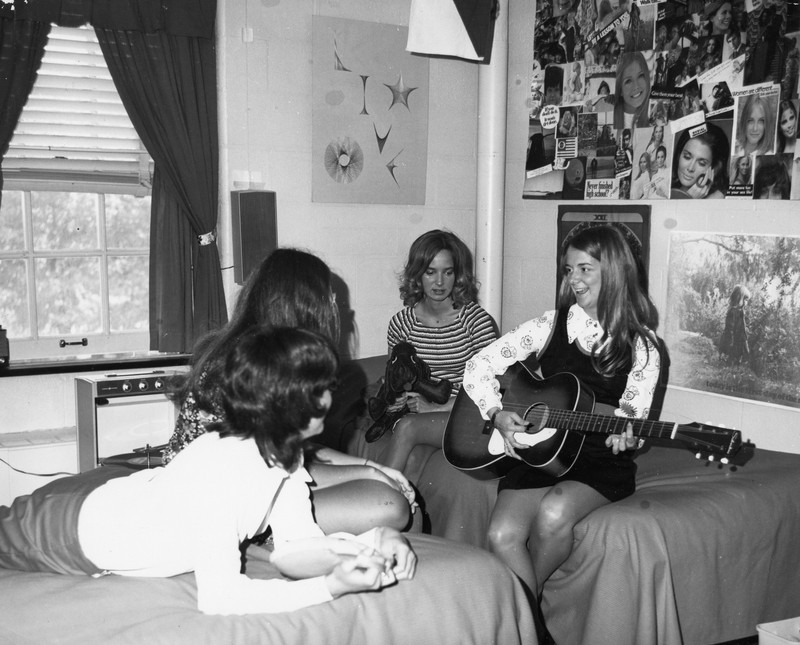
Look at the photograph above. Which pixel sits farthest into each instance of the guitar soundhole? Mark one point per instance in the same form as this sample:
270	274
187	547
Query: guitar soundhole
536	415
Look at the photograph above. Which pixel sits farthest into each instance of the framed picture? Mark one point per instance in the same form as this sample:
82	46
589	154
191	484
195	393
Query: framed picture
632	220
732	317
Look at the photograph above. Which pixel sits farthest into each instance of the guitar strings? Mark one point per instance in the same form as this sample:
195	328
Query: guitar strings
576	420
656	429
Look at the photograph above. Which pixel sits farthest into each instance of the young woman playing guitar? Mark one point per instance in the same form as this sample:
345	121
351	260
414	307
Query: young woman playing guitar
603	332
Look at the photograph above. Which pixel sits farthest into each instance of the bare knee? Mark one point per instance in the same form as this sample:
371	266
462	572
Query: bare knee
405	430
504	535
552	522
393	509
382	505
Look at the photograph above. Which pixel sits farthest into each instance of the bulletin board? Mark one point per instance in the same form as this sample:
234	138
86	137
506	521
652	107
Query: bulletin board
664	100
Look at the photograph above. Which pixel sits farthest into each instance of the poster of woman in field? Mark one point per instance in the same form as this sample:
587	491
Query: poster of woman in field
733	315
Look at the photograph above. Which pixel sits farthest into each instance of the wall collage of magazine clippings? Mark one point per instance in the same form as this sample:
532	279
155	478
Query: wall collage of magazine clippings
683	99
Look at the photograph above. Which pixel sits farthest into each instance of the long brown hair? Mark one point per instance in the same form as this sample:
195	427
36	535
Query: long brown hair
624	308
291	288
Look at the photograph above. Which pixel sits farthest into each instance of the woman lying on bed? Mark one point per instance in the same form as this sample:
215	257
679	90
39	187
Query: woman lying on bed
242	476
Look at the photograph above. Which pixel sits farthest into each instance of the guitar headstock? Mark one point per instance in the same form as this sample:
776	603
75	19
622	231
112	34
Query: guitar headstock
710	442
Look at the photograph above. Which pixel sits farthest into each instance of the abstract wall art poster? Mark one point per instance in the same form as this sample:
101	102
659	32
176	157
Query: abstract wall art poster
369	115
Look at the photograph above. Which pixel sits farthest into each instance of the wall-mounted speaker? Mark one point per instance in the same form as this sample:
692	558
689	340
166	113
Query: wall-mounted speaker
255	233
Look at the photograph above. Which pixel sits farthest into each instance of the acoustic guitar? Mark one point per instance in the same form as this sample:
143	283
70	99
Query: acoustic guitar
560	411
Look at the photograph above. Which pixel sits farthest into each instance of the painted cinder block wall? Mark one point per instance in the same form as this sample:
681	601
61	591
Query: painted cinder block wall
267	103
265	70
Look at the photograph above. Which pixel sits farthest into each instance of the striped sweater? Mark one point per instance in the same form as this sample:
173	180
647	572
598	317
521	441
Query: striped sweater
445	349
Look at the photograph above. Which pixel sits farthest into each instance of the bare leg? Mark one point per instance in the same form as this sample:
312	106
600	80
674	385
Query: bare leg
413	429
359	505
561	508
531	529
510	528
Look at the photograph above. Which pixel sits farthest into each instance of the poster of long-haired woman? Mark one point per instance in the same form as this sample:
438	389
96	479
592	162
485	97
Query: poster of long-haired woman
733	315
641	64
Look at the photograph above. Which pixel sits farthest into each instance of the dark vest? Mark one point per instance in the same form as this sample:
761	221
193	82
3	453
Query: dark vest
559	355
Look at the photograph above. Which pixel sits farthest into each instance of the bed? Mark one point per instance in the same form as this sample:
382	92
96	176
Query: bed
700	554
460	594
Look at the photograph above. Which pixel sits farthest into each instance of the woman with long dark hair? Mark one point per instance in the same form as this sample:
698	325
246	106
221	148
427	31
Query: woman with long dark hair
603	332
772	179
643	186
699	164
292	288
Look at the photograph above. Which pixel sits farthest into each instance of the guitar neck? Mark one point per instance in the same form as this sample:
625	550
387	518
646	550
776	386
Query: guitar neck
609	424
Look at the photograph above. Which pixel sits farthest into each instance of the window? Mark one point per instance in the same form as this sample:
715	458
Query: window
75	212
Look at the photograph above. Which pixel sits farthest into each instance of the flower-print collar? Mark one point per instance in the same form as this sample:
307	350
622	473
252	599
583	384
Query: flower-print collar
583	327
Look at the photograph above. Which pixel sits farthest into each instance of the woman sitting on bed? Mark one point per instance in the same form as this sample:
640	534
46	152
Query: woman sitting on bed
292	288
604	333
243	475
445	324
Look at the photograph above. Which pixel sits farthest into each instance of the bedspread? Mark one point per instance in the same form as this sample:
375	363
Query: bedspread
460	595
698	555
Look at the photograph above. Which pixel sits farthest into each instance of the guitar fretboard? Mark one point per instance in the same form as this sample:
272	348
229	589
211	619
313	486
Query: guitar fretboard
602	423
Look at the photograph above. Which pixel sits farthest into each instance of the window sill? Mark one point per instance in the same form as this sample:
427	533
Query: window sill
93	363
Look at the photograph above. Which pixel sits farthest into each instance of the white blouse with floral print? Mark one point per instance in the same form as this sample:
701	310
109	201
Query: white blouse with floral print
530	337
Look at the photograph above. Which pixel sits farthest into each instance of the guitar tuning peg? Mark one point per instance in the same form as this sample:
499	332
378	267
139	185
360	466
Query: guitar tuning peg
697	455
724	460
711	457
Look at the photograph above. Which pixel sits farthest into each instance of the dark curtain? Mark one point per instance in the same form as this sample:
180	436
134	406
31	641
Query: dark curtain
21	49
168	86
170	311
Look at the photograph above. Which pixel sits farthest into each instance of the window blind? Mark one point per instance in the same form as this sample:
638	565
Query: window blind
74	127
